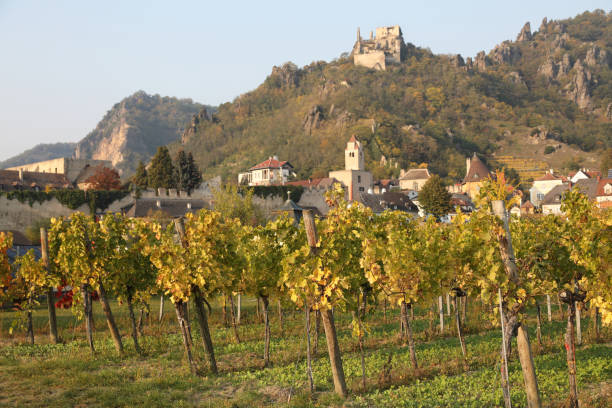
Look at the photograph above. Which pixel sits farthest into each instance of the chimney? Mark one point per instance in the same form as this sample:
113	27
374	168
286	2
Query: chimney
189	206
275	157
158	203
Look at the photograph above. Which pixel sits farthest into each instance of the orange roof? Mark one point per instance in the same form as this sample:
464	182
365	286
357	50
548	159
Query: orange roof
271	163
353	139
600	186
548	177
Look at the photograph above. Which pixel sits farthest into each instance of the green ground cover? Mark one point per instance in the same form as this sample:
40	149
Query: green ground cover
67	375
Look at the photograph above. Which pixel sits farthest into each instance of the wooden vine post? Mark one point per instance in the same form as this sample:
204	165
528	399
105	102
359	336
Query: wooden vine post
44	249
524	348
200	311
331	336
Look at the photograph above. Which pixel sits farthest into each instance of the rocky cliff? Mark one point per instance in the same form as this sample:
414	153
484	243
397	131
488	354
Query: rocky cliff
134	128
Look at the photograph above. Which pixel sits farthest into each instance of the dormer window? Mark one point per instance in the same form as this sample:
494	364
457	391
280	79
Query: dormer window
608	188
475	175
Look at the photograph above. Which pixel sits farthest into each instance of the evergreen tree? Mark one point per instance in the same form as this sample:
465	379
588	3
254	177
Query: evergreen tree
161	171
140	178
434	198
187	174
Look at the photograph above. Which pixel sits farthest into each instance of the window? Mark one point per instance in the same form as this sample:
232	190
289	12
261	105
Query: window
540	196
265	174
361	189
415	186
359	179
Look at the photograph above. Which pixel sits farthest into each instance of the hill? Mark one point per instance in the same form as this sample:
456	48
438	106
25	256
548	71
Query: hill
38	153
135	127
551	87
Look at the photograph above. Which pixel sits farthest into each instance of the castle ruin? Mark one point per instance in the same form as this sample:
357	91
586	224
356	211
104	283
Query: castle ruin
387	47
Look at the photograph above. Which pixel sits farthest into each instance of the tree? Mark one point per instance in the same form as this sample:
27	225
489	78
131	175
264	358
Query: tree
186	172
606	162
234	204
105	179
434	198
161	171
140	178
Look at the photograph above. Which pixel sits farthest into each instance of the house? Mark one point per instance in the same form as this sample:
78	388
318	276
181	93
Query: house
543	186
527	208
604	193
384	185
476	173
551	203
462	201
267	173
354	176
11	180
583	174
390	200
414	179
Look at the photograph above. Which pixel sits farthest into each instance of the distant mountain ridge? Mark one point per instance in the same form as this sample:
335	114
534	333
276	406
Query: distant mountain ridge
39	153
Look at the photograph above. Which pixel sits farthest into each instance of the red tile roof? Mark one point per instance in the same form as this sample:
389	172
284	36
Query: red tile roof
353	139
548	177
600	186
315	182
271	163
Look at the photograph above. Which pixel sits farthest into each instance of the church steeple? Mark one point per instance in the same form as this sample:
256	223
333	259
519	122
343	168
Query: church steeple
353	155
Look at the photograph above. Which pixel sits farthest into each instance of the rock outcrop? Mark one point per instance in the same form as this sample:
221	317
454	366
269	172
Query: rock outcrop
481	61
525	34
579	88
312	119
505	53
286	76
609	111
595	56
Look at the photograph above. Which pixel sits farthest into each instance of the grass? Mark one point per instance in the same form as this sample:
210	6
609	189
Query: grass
68	375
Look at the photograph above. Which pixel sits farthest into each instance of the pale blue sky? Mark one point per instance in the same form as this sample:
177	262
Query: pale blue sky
63	64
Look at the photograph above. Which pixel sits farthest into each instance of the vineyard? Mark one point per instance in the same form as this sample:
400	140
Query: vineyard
353	310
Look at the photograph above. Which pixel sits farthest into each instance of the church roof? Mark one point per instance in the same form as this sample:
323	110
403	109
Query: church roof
548	177
477	171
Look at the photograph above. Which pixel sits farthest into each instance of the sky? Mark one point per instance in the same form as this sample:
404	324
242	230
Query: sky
64	64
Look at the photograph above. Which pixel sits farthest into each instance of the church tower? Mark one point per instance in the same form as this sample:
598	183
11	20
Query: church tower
353	155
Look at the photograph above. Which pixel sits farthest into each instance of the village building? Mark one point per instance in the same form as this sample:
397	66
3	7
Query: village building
604	193
527	208
11	180
543	186
267	173
476	173
583	174
551	203
384	185
71	169
413	179
354	176
390	200
387	47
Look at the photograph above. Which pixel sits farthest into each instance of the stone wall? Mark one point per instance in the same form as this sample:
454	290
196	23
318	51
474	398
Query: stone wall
373	60
18	216
71	168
